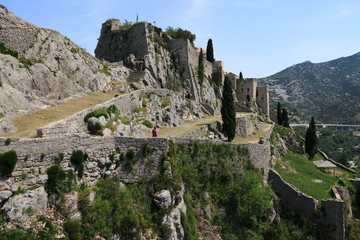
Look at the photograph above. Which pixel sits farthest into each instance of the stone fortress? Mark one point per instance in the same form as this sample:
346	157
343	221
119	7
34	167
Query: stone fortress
164	66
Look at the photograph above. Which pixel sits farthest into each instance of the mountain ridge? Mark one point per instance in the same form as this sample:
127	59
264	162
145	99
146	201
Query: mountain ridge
329	91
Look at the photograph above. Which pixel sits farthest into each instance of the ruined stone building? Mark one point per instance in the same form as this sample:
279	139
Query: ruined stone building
247	92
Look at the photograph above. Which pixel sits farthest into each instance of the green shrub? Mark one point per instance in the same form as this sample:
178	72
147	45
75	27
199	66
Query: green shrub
16	234
165	102
112	109
59	181
7	141
74	50
73	229
58	158
77	157
1	114
7	51
124	120
189	221
121	157
97	113
147	123
146	149
130	154
94	128
8	161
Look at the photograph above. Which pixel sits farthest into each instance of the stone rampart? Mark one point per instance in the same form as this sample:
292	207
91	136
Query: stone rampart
36	155
74	124
330	216
291	197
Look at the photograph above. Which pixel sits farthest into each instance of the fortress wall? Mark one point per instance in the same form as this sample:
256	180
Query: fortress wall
75	123
262	99
291	197
115	45
330	216
36	155
333	216
208	68
18	38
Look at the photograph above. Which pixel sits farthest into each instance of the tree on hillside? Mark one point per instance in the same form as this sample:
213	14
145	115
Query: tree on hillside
210	51
311	140
201	67
241	76
285	118
279	114
228	113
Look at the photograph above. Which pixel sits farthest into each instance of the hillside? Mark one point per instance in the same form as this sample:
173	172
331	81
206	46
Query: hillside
329	91
40	68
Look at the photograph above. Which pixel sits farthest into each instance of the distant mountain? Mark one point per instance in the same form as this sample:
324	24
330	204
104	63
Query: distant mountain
329	91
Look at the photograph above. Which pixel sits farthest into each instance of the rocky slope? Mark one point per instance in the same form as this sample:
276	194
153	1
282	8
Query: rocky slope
330	91
40	67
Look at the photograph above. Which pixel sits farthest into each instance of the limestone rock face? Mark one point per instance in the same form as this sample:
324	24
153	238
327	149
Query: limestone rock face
20	207
163	199
48	69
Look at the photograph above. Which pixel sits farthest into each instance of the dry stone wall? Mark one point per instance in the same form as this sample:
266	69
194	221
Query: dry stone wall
74	124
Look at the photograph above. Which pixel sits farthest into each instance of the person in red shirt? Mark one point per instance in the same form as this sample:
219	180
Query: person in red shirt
154	132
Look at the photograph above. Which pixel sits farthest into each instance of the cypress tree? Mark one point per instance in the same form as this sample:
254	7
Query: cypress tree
311	139
285	118
210	51
241	76
279	114
201	67
228	113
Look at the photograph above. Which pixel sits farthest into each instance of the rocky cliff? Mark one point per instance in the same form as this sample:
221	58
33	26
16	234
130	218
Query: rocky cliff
40	67
329	91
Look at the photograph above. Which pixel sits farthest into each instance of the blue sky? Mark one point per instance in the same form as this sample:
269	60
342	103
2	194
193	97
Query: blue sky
256	37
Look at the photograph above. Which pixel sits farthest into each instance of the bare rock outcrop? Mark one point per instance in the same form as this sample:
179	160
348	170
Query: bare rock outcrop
20	207
46	67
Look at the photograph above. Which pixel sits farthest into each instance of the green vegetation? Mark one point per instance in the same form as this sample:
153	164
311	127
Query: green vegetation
303	173
228	113
115	210
73	229
311	139
7	51
279	114
101	112
7	141
188	220
94	128
341	147
147	123
201	67
59	181
8	161
210	51
78	158
127	24
165	102
180	33
285	118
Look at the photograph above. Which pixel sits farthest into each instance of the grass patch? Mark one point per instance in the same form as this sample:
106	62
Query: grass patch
306	173
27	124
